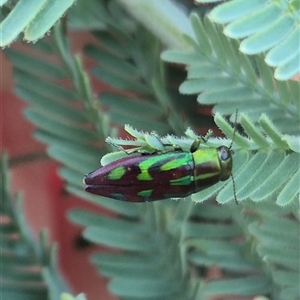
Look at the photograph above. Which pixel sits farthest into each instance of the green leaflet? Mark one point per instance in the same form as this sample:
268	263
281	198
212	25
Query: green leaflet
265	25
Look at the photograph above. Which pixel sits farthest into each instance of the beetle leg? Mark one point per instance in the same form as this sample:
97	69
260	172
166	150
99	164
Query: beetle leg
203	139
208	135
173	146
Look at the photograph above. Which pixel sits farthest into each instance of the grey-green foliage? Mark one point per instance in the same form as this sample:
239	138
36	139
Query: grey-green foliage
128	60
54	113
228	79
28	267
33	18
265	26
66	296
164	247
265	248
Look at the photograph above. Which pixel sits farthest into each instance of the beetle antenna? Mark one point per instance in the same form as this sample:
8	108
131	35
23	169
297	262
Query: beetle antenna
234	129
234	190
233	135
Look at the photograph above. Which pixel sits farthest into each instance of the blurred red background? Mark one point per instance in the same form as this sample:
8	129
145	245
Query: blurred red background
44	201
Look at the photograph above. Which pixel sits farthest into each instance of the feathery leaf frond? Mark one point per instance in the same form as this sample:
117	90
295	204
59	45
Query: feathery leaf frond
140	72
76	150
265	26
233	82
34	18
28	267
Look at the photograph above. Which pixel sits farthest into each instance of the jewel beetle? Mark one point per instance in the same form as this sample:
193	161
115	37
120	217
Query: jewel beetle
158	176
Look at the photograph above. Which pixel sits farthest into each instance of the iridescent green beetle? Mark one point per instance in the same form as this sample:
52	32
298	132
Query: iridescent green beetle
158	176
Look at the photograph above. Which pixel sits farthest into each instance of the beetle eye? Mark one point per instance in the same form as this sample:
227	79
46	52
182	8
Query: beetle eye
225	162
224	153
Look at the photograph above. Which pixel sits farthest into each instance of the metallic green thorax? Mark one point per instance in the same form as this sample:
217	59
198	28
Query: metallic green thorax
211	165
206	158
